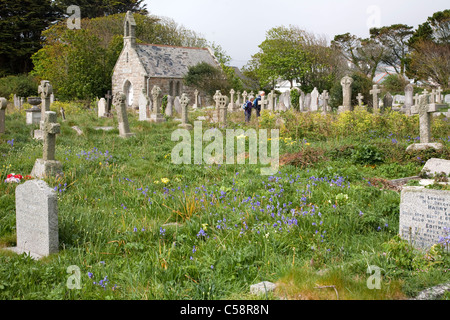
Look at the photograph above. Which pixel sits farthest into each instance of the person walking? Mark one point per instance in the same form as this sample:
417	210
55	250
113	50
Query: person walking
256	104
248	108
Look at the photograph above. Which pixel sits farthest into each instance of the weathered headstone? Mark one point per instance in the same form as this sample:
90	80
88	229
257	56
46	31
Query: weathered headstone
3	105
436	166
302	101
231	105
346	83
307	104
223	103
263	102
375	104
144	104
101	108
409	101
169	107
48	165
44	89
36	219
109	98
122	116
439	95
314	100
325	97
271	97
424	109
63	114
387	101
238	100
360	98
196	104
184	112
155	106
216	115
424	215
447	98
177	105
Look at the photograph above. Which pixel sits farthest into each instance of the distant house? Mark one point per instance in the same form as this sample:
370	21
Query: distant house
142	66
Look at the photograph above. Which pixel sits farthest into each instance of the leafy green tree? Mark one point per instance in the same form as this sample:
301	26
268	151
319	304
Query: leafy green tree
79	63
21	25
207	77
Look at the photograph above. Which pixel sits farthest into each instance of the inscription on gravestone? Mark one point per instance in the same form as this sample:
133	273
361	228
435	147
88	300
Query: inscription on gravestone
424	213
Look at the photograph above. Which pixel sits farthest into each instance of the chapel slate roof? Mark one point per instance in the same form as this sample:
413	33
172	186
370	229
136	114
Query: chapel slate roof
170	61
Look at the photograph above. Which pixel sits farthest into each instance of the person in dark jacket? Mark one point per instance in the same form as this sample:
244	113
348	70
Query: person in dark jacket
248	108
256	104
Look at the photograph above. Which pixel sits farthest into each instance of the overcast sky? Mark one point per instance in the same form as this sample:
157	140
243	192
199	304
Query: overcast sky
239	26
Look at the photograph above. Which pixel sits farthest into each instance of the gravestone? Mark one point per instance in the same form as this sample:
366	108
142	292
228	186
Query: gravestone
439	95
44	89
36	219
447	98
314	100
144	104
169	107
231	105
238	101
33	115
101	108
425	109
325	97
360	98
263	102
271	97
302	101
223	103
184	112
436	166
122	116
48	166
216	115
3	105
346	84
287	100
155	106
177	105
388	101
409	101
109	98
424	213
63	114
375	102
307	104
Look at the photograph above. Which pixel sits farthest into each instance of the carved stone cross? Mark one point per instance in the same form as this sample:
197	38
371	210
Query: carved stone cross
50	129
156	91
360	98
375	91
325	97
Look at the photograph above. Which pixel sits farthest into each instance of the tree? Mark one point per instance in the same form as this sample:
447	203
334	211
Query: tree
395	39
207	77
364	55
21	25
79	63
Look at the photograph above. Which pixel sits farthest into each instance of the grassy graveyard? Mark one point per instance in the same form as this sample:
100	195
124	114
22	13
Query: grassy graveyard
140	227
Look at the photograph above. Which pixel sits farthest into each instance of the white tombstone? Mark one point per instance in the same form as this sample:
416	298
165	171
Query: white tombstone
143	106
36	219
101	108
314	100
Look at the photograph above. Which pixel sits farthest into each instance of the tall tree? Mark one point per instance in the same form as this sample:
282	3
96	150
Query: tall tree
395	39
21	25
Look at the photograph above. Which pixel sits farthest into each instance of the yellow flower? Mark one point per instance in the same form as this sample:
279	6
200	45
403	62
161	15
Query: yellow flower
165	180
156	182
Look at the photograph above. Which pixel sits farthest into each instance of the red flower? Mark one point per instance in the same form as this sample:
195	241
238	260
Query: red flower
9	176
18	176
27	177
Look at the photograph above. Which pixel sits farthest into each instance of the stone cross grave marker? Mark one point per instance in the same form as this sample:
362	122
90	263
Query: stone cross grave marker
109	98
374	92
360	98
44	89
223	102
216	97
232	106
346	83
439	95
425	109
184	112
156	115
325	97
119	102
424	215
48	166
144	104
263	102
195	106
238	100
3	104
36	219
169	107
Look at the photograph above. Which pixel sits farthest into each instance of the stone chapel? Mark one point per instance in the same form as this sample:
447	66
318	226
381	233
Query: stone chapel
142	66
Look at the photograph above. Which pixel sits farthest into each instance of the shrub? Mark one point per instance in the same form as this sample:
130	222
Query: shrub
21	85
